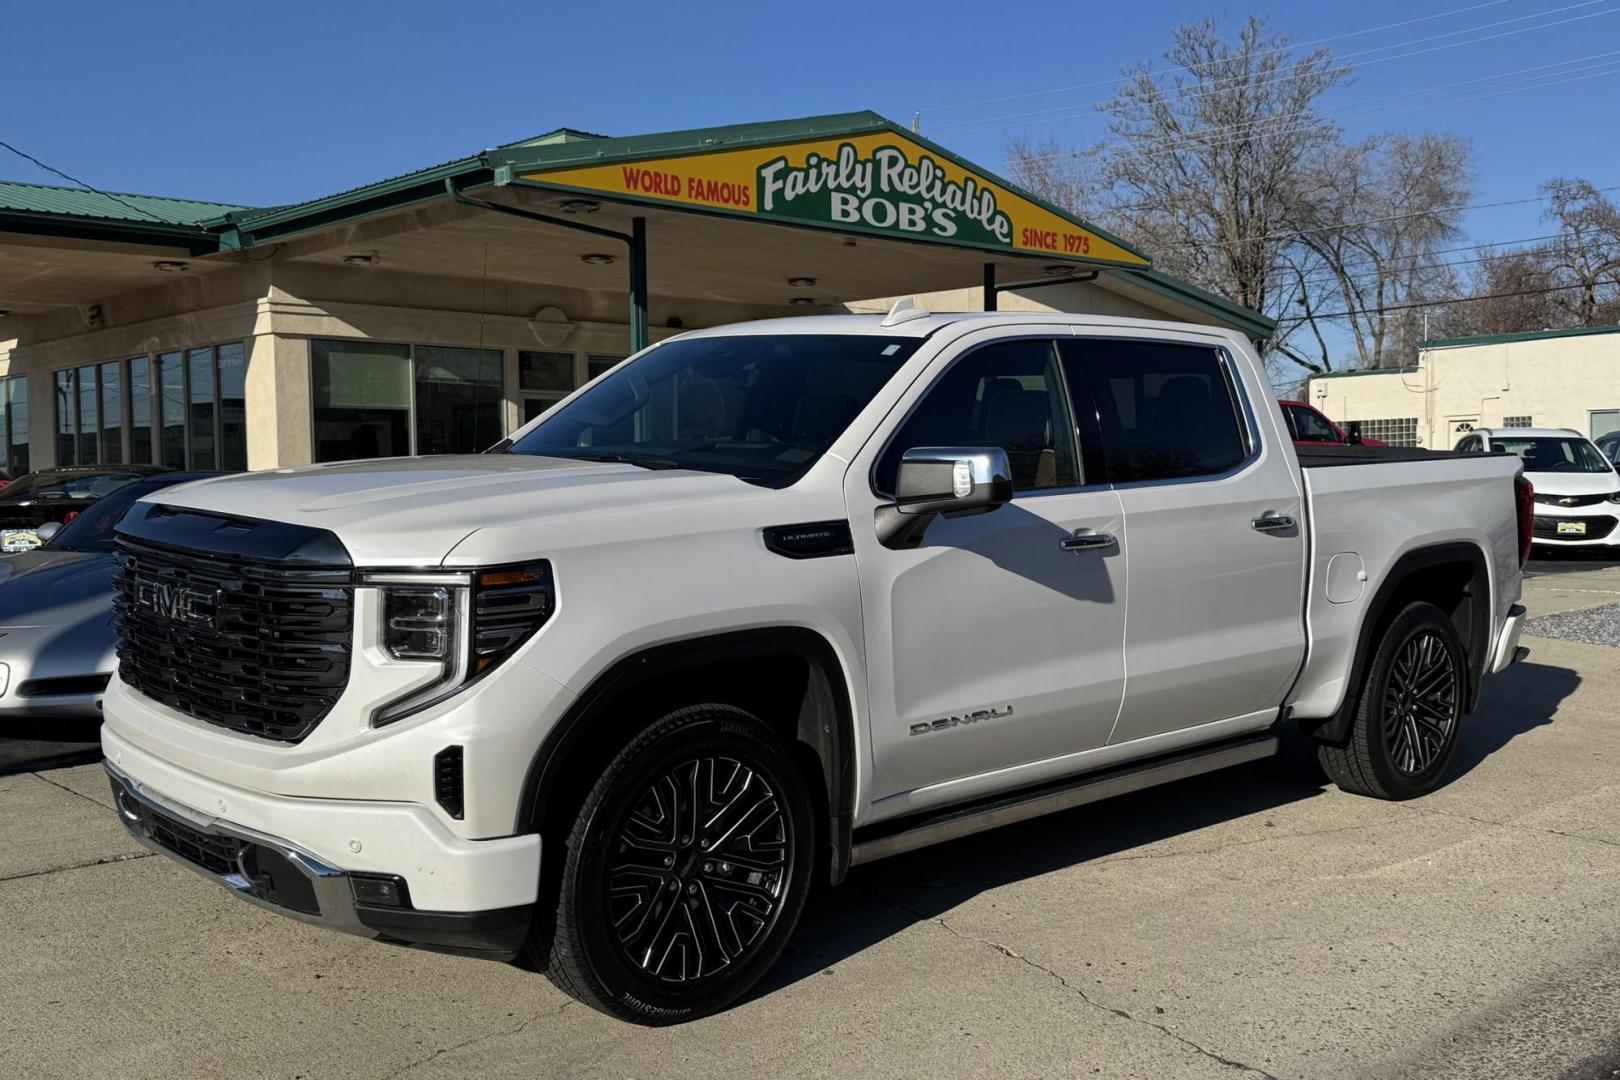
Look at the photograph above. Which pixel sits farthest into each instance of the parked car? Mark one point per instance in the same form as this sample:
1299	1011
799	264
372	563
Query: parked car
1610	445
57	495
1577	487
56	633
1308	427
769	601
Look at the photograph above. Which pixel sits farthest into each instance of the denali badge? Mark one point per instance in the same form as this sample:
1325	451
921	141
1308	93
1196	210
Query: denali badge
965	718
196	606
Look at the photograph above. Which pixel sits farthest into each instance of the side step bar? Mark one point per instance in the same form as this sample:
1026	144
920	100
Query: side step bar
954	822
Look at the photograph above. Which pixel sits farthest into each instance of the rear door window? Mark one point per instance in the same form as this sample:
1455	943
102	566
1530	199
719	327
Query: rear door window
1164	411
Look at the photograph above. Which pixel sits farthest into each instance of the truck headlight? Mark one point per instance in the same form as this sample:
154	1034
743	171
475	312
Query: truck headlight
466	623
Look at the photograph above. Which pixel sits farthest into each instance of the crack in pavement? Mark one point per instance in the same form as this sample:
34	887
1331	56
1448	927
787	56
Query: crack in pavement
1219	848
106	860
1011	954
1455	815
70	791
476	1039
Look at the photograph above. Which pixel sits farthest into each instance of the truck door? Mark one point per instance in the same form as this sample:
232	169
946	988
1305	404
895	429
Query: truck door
1212	506
988	645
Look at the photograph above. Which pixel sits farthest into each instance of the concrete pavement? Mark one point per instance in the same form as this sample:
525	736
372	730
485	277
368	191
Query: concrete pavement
1254	921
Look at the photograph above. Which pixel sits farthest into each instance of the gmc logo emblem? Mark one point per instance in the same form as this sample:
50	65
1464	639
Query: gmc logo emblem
199	607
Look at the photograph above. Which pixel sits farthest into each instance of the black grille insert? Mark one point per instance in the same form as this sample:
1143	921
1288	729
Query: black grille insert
1597	527
447	781
259	649
216	854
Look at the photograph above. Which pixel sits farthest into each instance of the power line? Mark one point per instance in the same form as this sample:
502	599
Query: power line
88	187
1204	88
1302	319
1592	60
1286	48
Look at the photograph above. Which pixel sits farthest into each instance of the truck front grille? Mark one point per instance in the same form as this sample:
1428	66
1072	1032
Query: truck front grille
259	649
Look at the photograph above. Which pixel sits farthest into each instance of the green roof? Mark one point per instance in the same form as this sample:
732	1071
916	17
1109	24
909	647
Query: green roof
107	206
1528	335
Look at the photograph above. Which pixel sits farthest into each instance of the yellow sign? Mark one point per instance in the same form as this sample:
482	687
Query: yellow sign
879	182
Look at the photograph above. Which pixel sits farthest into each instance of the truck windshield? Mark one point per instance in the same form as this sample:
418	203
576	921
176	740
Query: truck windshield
1555	454
762	407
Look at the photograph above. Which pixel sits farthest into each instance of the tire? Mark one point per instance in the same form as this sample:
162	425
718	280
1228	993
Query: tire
617	943
1408	711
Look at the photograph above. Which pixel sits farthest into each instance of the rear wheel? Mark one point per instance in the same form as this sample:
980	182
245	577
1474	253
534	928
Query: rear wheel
686	870
1409	710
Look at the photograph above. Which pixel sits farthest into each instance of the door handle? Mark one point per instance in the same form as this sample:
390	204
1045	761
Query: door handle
1086	542
1269	522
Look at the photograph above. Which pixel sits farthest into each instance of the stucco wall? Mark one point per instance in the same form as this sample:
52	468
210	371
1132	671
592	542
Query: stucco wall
1556	382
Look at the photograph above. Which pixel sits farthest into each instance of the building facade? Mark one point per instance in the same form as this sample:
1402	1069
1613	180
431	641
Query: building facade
439	311
1550	378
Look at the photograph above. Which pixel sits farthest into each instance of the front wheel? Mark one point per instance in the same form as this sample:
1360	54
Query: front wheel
686	870
1409	710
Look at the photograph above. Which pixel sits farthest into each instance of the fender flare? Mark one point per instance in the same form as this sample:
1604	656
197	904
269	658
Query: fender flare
1476	639
826	723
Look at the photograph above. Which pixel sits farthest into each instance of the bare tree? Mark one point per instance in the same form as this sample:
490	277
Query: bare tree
1374	215
1204	164
1065	177
1586	253
1510	292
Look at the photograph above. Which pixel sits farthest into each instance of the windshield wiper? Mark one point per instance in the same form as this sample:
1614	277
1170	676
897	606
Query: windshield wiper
632	459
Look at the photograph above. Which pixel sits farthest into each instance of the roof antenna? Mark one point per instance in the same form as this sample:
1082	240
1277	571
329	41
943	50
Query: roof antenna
905	309
916	122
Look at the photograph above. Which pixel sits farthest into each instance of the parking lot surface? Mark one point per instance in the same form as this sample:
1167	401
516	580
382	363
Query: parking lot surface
1250	922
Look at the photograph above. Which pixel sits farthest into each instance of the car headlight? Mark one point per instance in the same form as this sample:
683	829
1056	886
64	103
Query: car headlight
1615	498
466	623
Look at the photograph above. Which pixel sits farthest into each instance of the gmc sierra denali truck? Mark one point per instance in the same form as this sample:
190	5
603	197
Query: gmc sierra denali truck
769	601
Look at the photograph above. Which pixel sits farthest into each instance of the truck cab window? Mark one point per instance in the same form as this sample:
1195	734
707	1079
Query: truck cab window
1007	395
1166	411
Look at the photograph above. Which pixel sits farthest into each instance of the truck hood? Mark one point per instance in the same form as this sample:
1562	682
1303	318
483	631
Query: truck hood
413	511
1573	483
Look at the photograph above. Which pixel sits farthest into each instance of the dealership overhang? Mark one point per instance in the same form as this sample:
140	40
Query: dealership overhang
491	285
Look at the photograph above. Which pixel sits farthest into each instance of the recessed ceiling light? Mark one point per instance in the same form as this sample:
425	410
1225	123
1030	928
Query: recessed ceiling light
1061	270
596	259
803	301
802	282
360	260
168	266
4	313
581	206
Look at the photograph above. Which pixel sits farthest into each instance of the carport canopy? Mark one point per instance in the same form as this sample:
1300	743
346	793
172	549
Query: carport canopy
746	221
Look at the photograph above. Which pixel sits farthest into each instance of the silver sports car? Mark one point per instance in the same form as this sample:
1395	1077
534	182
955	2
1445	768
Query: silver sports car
56	635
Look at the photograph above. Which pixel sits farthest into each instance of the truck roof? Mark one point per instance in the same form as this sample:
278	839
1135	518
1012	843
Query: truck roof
924	323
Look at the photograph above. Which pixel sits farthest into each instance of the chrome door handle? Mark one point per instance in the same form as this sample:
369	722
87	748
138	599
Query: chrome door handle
1272	522
1086	542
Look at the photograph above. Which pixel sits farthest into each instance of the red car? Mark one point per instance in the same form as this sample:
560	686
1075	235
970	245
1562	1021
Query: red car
1311	428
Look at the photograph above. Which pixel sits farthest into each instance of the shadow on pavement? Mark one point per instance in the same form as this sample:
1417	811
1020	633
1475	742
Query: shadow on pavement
880	900
29	744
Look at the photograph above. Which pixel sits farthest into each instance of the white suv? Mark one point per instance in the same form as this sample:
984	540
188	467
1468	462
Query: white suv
1577	487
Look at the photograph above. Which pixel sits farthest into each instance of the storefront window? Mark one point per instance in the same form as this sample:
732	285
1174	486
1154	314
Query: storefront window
112	413
544	378
172	402
140	410
200	378
233	405
362	400
373	400
14	425
88	416
67	417
458	400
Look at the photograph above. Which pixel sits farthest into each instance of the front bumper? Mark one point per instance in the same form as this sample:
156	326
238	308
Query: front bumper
281	876
1596	525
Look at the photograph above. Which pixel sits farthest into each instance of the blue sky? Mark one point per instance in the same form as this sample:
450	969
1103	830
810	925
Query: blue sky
271	105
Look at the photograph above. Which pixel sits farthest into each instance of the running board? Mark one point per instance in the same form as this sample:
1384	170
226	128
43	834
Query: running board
952	823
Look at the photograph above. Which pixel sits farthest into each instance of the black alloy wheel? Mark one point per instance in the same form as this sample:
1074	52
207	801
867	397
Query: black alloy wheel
685	872
1408	713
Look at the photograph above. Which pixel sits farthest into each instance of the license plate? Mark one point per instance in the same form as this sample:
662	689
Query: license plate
14	540
1572	528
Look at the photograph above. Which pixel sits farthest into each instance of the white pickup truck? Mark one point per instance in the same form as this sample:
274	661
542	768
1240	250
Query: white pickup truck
769	601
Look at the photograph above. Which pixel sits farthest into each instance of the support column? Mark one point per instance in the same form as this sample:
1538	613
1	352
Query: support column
989	286
277	402
638	284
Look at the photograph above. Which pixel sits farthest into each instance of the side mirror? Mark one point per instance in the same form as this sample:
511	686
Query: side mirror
46	531
948	480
